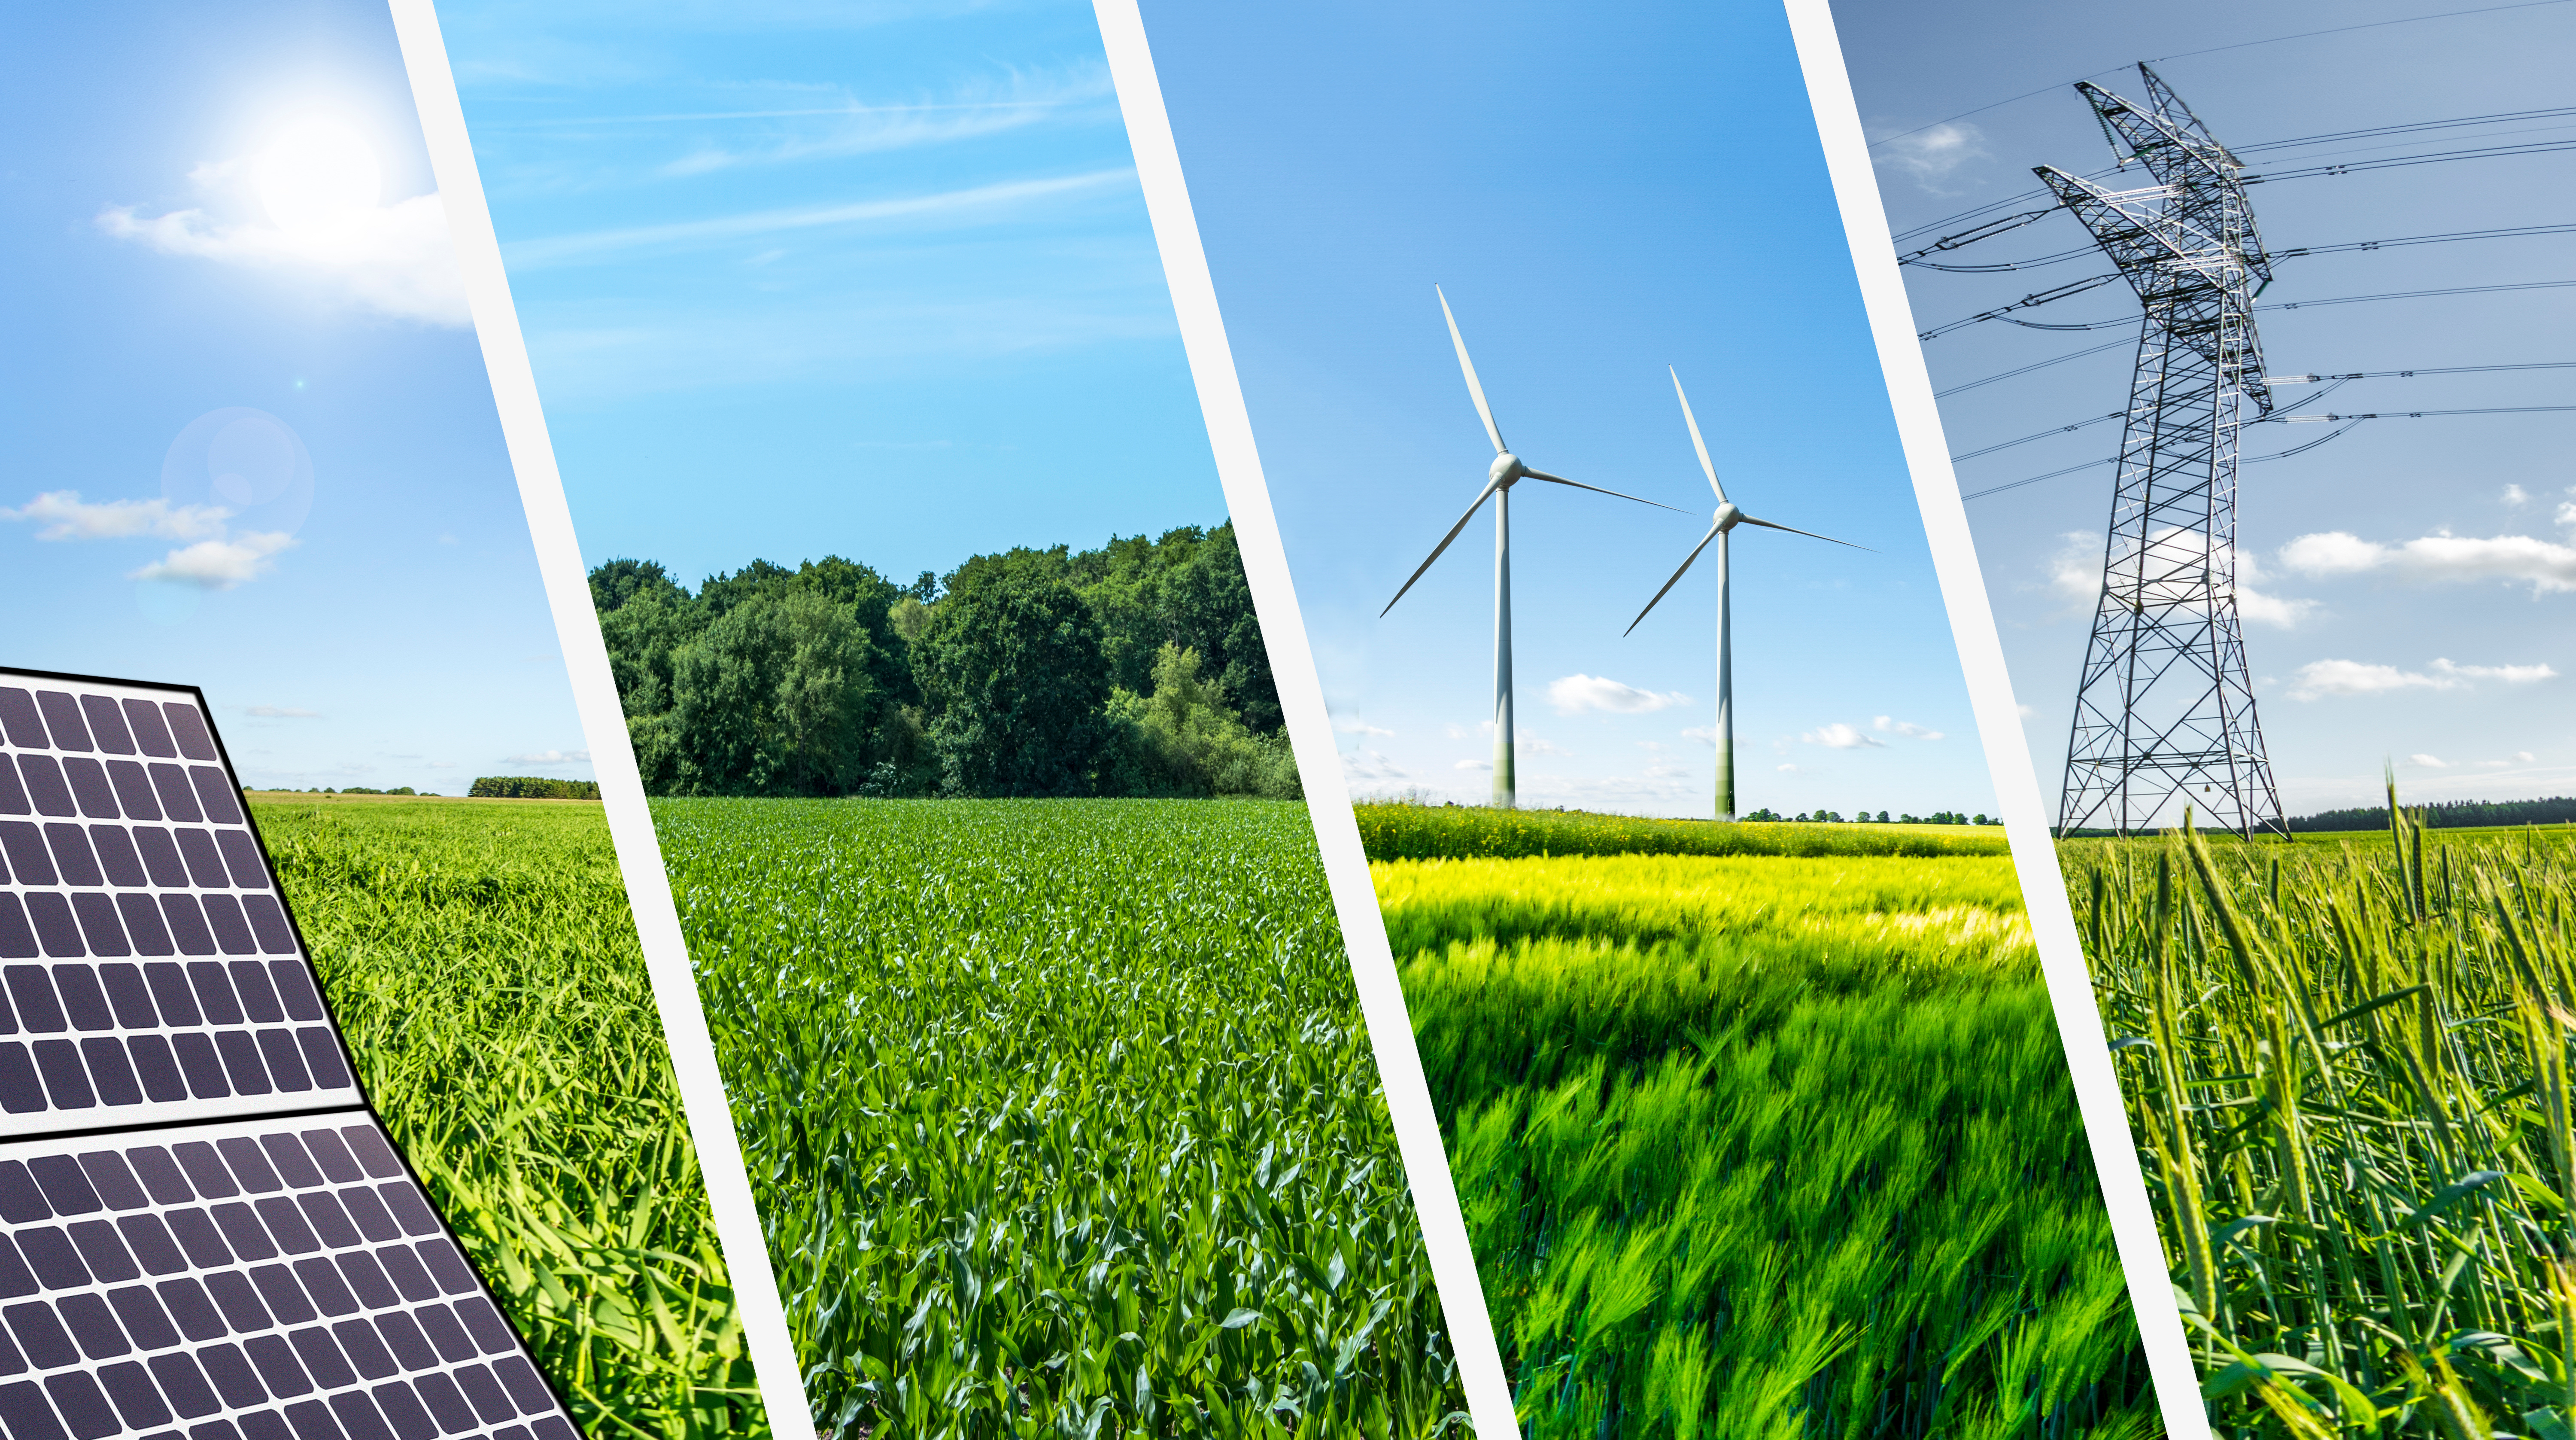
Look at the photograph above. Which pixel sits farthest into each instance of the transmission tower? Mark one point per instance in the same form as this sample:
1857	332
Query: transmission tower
2164	715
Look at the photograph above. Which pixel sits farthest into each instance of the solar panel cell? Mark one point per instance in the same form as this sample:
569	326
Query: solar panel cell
18	719
151	731
46	787
63	719
188	727
106	724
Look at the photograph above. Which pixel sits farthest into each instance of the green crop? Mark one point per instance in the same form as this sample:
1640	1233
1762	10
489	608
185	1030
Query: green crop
1406	831
2347	1063
1767	1147
482	960
1061	1117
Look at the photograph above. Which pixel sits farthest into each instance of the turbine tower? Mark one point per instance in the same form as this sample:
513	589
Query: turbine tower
1505	472
1728	517
2164	711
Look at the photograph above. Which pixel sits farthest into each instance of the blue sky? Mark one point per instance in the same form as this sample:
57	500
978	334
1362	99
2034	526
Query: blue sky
2411	582
1603	193
252	444
806	279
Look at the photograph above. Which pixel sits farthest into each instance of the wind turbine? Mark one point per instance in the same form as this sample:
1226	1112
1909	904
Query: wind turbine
1505	472
1728	517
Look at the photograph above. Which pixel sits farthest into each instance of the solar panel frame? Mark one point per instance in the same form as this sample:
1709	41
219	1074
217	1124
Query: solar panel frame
97	1002
237	1003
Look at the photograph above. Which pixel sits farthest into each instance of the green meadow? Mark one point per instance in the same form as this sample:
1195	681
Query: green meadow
1061	1117
1771	1137
2347	1060
482	960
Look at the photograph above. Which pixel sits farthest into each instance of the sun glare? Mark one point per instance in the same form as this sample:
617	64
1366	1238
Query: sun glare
317	173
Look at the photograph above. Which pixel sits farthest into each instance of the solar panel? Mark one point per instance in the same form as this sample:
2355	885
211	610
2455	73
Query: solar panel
204	1230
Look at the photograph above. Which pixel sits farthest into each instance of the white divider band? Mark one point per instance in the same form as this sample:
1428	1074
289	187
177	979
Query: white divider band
603	722
1310	730
1981	656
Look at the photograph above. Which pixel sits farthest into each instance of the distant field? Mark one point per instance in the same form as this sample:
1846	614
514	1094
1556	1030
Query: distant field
1766	1146
482	959
1061	1117
1407	831
2348	1063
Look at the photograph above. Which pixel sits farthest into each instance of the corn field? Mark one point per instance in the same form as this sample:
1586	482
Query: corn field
1061	1118
1766	1147
482	960
2347	1064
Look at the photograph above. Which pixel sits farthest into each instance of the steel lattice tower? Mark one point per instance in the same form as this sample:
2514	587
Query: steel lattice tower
2164	715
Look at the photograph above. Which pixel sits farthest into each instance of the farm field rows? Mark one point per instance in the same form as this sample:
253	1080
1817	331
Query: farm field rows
1764	1146
482	960
1061	1117
2347	1061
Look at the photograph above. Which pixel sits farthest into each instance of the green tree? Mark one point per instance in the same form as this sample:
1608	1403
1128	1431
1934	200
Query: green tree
776	698
1013	680
616	582
1184	739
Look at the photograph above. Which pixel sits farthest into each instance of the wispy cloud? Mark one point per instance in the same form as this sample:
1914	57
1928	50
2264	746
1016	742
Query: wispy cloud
1888	726
218	564
65	516
1932	156
1575	694
1839	736
549	757
1353	725
1021	100
2430	762
1365	764
985	202
2321	678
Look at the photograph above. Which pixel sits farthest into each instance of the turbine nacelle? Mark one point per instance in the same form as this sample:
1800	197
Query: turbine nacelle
1728	517
1507	467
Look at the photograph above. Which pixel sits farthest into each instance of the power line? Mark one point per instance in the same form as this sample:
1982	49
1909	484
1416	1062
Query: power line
2345	423
2331	383
2496	118
2239	45
2497	232
2395	162
2026	369
2002	312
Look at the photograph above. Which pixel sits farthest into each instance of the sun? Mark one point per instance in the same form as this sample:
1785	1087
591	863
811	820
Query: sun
316	174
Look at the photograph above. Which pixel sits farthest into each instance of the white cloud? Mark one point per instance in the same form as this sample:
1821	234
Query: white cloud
1786	769
1839	736
1904	727
281	712
1575	694
65	516
1526	743
2075	573
2516	495
1704	734
2437	559
2524	756
2025	711
1930	156
1353	725
828	132
2567	512
549	757
1473	765
2430	762
391	259
2319	678
218	564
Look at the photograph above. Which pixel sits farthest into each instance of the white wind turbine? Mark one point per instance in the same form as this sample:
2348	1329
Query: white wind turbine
1728	517
1505	472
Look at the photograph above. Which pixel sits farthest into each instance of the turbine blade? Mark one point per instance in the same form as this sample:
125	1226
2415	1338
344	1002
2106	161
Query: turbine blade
1467	367
1810	534
1696	443
1676	580
1597	490
1490	487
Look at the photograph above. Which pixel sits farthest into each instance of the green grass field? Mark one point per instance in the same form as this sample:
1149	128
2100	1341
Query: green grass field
482	960
1403	830
1061	1117
1765	1146
2348	1062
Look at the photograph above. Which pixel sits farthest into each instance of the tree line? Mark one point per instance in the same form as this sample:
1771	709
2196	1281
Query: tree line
2446	815
1133	669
